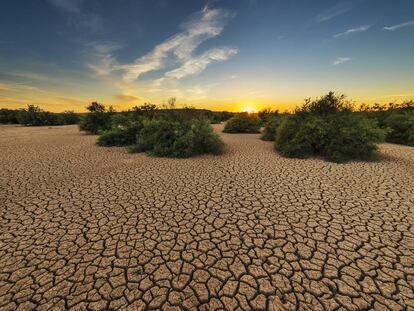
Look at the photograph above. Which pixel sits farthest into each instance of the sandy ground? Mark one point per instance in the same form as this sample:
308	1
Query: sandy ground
86	227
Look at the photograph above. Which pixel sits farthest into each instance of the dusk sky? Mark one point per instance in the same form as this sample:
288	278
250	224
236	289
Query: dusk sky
220	55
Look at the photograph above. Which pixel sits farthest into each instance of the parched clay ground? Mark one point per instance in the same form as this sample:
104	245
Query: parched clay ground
91	228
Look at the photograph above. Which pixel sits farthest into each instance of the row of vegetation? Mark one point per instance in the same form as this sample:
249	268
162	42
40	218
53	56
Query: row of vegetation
396	119
102	117
331	127
171	132
34	116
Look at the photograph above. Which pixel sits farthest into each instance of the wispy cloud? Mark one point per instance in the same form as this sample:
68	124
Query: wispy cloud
334	11
127	98
204	25
103	53
341	60
73	6
32	76
78	18
395	95
352	30
199	63
403	25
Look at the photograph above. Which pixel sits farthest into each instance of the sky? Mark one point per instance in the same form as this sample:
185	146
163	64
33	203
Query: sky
222	55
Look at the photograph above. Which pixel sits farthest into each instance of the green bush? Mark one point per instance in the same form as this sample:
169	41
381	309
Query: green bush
121	135
243	123
167	138
327	127
270	127
326	105
352	137
97	120
299	137
401	128
204	140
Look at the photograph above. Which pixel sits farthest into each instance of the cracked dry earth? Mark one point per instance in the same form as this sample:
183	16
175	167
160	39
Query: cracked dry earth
92	228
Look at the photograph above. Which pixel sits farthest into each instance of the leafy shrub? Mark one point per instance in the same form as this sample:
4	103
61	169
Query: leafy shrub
401	128
298	137
242	123
121	135
169	138
97	120
204	140
325	105
352	137
327	127
270	127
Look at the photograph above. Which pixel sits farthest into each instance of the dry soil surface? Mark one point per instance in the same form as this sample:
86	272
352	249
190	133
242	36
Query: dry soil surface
91	228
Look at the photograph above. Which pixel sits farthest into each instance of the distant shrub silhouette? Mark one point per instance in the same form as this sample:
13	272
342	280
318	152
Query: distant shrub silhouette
146	110
35	116
32	115
225	115
168	138
242	123
8	116
327	127
270	127
69	117
97	120
121	135
122	119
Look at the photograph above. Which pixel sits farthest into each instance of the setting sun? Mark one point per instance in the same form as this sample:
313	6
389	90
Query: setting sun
249	110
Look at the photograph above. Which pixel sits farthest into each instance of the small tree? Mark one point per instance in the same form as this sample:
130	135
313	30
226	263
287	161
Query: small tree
96	107
147	110
97	120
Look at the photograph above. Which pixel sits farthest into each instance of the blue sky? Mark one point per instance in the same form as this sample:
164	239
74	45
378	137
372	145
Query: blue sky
62	54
